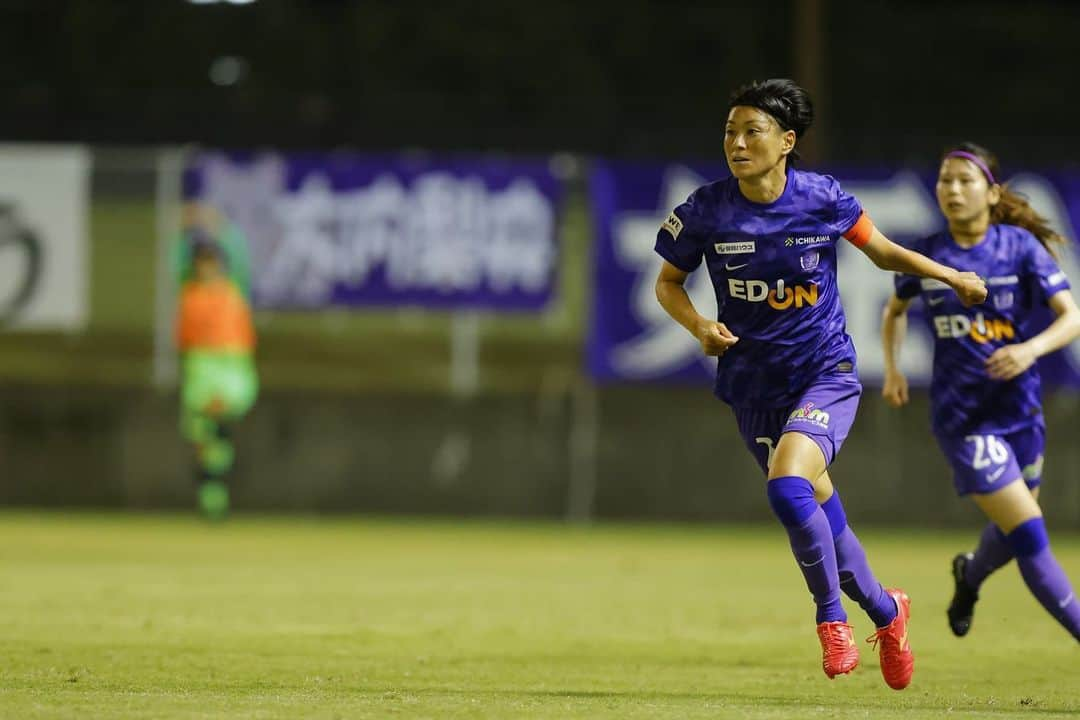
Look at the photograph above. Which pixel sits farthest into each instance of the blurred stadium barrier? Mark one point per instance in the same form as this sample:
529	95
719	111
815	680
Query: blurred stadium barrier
412	410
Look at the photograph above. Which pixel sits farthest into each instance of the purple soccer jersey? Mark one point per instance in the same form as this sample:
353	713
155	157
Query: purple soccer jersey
773	267
1020	276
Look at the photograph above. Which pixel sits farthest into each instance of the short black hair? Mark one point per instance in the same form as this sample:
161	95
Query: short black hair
781	98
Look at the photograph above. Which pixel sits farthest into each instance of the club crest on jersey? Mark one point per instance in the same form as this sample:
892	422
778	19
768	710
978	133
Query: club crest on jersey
809	413
809	260
781	297
1003	300
673	225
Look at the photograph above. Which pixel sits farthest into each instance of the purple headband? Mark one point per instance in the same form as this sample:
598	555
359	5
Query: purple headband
978	163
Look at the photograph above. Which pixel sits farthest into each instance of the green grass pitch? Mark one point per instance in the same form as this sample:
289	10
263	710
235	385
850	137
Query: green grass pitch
150	616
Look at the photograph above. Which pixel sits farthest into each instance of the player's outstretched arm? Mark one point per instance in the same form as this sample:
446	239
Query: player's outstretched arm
893	330
1009	361
887	255
715	338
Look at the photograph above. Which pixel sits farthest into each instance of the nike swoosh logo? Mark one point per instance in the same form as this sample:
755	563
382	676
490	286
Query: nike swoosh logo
934	301
735	267
903	640
813	563
991	477
1066	601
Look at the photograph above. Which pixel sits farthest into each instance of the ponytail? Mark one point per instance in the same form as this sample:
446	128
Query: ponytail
1014	209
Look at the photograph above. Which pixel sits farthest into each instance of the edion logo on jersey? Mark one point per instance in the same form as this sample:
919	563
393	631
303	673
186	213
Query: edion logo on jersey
781	297
808	413
981	330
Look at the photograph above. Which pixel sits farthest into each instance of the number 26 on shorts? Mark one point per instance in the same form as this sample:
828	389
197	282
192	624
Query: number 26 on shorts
988	451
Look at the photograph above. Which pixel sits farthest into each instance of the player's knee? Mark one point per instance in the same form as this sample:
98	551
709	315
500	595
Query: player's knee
791	499
1028	538
797	455
823	488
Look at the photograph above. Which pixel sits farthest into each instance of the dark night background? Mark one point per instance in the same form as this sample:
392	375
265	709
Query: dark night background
893	81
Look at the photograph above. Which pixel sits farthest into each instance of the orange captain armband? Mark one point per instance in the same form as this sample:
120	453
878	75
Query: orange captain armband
860	232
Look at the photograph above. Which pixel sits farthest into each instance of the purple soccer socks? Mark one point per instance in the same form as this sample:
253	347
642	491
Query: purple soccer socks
792	500
992	553
856	579
1043	574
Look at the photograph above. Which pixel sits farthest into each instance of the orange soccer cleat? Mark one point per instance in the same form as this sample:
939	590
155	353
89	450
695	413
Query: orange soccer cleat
839	653
897	661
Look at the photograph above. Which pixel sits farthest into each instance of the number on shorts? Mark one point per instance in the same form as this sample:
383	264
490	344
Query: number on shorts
988	451
767	442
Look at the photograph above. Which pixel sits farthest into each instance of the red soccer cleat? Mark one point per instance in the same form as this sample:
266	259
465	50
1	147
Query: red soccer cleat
839	653
897	661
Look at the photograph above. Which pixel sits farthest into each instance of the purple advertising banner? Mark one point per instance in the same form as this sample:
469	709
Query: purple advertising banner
631	338
342	229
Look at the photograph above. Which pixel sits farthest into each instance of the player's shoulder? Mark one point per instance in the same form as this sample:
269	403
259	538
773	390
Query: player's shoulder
706	204
1016	236
713	195
815	182
815	188
927	244
810	180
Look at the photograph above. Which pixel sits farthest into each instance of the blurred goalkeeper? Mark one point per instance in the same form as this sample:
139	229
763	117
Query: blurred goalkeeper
216	341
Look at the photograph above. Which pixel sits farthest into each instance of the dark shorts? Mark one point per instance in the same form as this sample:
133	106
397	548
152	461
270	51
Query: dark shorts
986	462
824	412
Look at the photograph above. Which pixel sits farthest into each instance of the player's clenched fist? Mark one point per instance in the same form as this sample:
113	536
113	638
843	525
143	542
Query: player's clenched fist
895	389
970	287
715	338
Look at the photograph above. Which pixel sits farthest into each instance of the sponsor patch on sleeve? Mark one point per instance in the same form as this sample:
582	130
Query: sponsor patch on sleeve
673	225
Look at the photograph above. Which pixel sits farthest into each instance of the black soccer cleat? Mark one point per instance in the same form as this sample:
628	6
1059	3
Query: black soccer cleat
962	607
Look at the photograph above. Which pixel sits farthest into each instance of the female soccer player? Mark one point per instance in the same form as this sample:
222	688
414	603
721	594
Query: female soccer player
216	338
987	414
786	365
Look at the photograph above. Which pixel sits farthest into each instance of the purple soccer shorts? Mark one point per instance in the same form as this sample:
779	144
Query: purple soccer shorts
824	412
986	462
